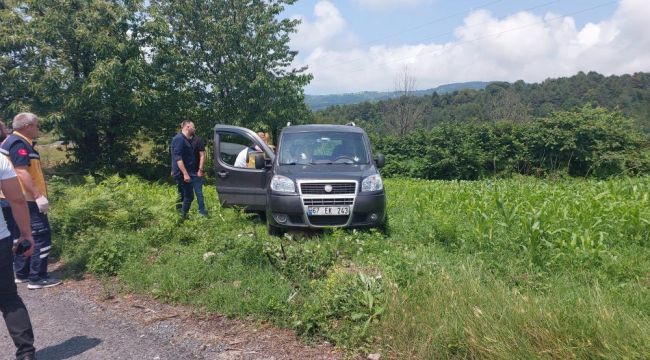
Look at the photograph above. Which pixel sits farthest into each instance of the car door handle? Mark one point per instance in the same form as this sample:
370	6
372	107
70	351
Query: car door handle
222	174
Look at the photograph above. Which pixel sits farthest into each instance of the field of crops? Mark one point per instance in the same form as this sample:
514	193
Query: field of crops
517	268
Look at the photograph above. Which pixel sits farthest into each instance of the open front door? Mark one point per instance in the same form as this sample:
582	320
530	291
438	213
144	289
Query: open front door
238	182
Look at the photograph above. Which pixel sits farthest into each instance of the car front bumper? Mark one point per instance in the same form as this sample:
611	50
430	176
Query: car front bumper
367	210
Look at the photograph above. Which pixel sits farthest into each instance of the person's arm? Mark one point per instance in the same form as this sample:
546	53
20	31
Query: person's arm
28	183
14	195
181	167
19	156
240	161
177	149
201	163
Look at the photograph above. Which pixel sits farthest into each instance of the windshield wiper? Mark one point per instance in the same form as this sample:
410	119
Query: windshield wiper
348	162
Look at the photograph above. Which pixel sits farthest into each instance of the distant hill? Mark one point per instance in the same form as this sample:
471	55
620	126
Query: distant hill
319	102
517	102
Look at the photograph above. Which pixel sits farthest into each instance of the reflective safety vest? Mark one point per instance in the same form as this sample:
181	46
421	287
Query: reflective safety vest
34	169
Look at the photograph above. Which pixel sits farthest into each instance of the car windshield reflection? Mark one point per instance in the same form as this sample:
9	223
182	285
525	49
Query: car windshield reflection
322	148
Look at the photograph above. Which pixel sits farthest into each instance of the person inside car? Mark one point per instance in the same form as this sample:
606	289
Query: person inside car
298	153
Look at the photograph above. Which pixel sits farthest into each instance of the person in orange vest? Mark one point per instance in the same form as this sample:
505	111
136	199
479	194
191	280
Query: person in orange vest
12	307
19	149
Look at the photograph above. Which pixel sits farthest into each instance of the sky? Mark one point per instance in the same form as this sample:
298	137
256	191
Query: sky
366	45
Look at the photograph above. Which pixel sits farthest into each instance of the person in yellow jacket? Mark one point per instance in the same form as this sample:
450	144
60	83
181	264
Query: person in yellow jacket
19	148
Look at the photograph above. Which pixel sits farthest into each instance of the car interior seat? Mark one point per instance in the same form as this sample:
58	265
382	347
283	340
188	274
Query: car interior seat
339	150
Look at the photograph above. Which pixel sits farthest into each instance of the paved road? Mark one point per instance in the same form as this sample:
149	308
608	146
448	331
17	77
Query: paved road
68	326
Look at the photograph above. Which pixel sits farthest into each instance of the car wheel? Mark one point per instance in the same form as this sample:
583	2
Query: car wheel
274	230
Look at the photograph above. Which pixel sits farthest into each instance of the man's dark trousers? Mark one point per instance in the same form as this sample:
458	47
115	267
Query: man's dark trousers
34	267
185	195
197	184
12	307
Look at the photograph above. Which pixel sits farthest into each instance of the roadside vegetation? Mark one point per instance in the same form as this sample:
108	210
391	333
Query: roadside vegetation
514	268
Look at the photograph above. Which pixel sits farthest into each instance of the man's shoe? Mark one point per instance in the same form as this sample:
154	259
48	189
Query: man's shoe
18	280
27	357
43	283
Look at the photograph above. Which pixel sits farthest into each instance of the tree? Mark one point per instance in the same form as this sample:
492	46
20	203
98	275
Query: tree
82	64
14	93
407	112
107	75
505	103
587	141
233	56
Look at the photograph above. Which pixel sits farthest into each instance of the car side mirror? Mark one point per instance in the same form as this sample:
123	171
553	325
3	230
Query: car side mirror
379	160
260	163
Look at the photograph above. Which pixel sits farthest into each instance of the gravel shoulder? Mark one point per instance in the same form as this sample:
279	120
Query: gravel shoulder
89	319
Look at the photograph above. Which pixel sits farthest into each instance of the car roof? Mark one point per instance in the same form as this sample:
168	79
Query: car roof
322	127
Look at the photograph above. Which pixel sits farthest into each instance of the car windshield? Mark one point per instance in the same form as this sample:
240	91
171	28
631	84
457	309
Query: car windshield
323	147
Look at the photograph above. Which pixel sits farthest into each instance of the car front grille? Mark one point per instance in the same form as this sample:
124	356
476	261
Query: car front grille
319	188
325	202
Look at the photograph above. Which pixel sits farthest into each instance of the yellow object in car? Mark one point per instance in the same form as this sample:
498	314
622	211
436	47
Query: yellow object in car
250	163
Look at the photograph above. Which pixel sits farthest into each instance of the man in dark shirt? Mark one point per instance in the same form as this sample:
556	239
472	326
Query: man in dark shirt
184	166
197	182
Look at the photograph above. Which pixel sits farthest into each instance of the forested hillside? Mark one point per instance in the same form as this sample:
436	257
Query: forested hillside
584	125
516	102
320	102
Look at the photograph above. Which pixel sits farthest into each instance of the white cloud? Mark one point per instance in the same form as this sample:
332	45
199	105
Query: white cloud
520	46
327	30
385	4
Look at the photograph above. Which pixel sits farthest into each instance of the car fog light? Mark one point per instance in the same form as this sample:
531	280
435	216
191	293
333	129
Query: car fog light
280	218
374	217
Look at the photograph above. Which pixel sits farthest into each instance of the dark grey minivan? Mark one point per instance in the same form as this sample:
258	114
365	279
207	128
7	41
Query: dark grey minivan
320	176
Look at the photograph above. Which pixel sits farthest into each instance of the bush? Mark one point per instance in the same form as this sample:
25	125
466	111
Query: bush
587	142
343	305
108	255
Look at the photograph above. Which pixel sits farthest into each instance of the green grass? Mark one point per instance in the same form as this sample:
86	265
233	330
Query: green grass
51	155
517	268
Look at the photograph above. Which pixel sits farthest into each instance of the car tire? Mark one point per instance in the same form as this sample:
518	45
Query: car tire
274	230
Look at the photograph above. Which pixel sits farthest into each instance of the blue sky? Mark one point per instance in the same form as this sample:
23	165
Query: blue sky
356	45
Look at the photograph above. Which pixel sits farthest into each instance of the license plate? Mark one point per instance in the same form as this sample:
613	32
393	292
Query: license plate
328	210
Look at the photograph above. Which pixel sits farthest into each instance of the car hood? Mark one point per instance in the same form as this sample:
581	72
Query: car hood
326	171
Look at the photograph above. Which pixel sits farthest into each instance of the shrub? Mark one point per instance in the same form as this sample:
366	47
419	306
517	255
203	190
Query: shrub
343	305
108	255
586	142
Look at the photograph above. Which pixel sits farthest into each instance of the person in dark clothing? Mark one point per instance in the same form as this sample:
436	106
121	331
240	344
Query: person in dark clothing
11	305
3	131
20	151
197	181
184	166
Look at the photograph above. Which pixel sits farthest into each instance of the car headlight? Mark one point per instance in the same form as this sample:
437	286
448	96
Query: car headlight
372	183
282	184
